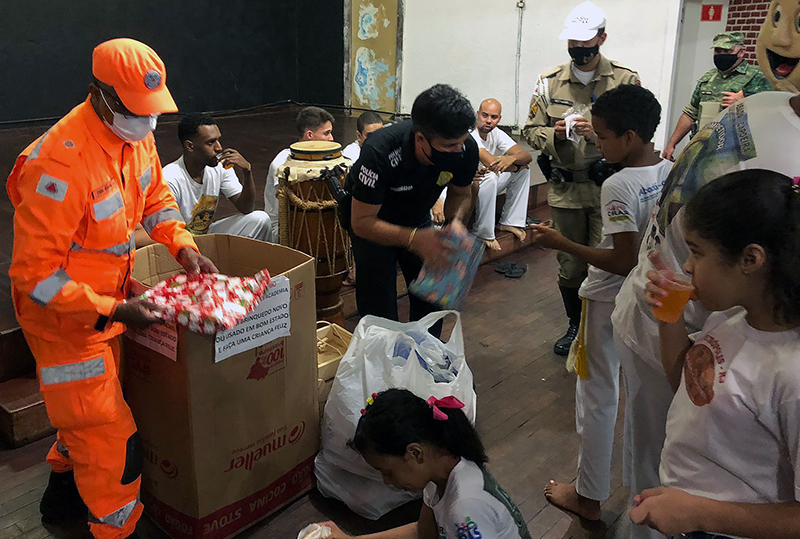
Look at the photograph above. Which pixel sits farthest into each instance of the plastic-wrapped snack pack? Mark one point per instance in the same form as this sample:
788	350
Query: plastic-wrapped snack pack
315	531
208	302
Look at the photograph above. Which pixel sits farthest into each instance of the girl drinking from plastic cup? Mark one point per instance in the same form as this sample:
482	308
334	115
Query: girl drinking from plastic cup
431	447
731	460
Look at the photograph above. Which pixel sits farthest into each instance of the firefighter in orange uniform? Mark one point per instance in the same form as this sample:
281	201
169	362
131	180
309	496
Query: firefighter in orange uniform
78	192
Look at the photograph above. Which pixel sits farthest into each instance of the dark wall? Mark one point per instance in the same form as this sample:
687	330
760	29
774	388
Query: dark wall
221	55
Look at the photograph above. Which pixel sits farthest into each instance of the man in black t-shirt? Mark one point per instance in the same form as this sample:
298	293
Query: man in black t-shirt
401	172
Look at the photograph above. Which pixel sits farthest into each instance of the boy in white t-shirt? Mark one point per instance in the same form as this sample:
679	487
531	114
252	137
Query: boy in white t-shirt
366	124
625	120
313	123
206	170
505	167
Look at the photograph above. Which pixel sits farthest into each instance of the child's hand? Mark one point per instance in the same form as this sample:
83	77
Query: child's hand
336	532
656	288
547	236
670	511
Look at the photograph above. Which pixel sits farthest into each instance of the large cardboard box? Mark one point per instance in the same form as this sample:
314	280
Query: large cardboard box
227	441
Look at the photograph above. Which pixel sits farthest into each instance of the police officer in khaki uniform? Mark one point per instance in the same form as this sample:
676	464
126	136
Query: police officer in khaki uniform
731	80
573	165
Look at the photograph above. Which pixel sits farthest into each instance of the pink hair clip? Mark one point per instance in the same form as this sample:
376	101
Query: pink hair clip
447	402
796	184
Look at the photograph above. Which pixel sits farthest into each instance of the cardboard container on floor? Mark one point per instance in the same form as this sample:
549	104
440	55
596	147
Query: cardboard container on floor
332	343
227	441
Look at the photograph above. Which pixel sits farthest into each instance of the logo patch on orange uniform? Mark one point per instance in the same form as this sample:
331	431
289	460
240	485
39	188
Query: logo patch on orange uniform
52	187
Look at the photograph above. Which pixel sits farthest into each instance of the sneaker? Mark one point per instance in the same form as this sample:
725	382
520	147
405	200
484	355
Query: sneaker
563	344
61	501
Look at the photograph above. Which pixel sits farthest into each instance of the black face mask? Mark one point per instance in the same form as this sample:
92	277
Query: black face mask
449	161
583	55
725	61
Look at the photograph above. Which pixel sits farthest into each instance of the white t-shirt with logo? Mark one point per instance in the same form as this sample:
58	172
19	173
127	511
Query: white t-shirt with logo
198	202
352	151
733	430
761	131
497	141
627	199
474	506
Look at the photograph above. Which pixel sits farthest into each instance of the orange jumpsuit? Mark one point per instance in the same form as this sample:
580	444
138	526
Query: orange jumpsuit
78	192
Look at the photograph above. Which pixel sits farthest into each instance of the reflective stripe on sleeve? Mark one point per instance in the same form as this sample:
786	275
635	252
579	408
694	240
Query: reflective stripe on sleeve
72	372
47	288
162	215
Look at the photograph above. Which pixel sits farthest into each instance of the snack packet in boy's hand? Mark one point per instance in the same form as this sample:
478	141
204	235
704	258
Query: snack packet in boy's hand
208	302
448	288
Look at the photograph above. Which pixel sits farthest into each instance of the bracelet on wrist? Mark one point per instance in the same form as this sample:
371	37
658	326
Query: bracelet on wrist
411	237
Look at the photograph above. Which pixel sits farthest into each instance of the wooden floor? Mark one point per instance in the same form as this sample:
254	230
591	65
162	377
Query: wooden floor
525	415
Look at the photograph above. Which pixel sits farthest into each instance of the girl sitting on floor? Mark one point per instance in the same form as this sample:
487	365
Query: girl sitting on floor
731	460
431	447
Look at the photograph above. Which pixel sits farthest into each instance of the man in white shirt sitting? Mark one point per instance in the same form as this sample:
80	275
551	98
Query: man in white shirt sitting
504	165
313	123
203	172
367	123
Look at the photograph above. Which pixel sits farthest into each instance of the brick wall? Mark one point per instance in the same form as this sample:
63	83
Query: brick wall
747	16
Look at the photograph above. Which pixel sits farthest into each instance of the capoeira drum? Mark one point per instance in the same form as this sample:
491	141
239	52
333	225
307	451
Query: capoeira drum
308	218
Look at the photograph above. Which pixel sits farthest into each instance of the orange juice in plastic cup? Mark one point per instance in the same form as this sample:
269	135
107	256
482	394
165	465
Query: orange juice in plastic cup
224	165
678	294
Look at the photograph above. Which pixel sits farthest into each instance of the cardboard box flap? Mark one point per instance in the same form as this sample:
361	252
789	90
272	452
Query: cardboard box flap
154	263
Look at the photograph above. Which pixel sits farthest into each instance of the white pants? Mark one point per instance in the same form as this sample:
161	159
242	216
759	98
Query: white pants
596	400
517	186
271	205
255	225
649	396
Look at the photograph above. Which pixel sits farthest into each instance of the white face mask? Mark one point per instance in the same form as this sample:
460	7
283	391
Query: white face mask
130	128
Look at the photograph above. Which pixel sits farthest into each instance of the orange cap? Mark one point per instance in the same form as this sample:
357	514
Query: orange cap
137	74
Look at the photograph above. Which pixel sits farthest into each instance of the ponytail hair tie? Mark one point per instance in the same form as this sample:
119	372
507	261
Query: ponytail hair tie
447	402
796	184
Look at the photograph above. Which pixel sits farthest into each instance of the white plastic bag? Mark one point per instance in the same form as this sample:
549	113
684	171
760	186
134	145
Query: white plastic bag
314	531
385	354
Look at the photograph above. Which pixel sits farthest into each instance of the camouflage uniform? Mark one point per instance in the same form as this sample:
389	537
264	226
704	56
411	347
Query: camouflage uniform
576	204
706	102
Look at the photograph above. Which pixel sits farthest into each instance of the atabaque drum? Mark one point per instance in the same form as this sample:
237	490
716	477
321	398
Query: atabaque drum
308	218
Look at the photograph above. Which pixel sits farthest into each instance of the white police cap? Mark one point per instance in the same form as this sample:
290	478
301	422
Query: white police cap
583	22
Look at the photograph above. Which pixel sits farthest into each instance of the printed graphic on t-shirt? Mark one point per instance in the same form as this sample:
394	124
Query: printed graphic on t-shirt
468	530
618	211
396	157
649	193
700	370
367	176
202	215
715	149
